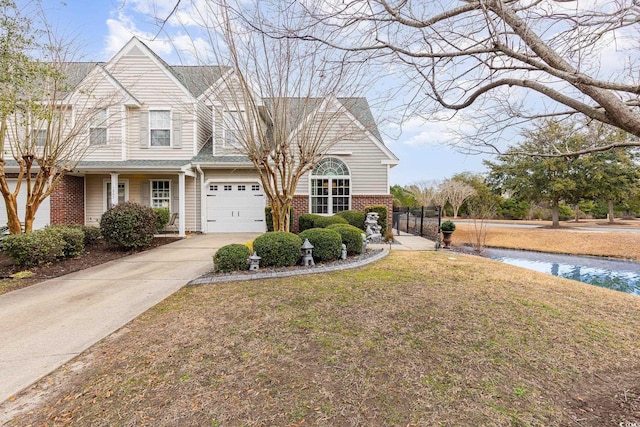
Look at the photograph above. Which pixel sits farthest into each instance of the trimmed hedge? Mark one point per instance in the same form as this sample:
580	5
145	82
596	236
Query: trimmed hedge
268	217
128	225
231	257
382	213
278	249
38	247
351	236
353	217
325	221
327	244
306	221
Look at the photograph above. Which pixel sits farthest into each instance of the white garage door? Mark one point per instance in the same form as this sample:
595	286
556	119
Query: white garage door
235	208
42	215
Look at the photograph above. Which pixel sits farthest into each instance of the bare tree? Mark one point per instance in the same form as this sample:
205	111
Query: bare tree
284	105
425	192
510	61
43	119
456	192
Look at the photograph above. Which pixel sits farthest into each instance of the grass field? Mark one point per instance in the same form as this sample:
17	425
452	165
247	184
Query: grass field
616	244
417	339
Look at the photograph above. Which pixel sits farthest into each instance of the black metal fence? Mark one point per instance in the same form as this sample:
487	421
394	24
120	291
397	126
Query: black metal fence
421	221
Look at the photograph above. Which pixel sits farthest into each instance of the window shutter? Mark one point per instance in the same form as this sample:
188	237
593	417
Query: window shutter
177	130
146	193
175	199
144	131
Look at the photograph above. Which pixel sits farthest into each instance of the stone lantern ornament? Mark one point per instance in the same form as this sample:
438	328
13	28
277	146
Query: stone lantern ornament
306	252
254	262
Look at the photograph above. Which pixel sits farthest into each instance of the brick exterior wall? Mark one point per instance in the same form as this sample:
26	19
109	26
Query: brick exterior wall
361	201
67	201
300	206
358	202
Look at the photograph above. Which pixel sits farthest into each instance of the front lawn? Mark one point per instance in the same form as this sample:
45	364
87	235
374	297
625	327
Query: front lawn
418	338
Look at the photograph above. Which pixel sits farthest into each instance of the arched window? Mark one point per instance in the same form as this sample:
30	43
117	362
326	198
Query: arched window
330	187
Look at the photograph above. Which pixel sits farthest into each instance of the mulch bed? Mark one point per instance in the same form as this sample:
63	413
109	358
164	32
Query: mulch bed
95	254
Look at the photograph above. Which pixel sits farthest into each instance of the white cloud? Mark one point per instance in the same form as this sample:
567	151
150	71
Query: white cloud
441	129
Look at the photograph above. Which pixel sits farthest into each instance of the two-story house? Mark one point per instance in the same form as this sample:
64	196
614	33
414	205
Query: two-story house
165	144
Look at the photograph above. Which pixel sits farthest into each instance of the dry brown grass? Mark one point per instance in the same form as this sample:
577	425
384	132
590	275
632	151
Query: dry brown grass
419	338
568	241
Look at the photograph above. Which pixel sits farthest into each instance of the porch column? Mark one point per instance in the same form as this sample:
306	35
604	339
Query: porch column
182	212
114	189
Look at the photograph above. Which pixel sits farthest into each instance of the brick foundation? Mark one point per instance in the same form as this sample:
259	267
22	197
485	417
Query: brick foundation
358	202
67	201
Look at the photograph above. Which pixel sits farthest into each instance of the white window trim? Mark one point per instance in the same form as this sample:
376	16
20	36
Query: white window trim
330	178
225	129
151	181
167	109
105	182
106	129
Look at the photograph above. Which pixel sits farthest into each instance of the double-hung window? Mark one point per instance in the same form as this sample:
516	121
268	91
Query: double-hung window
98	128
232	126
160	128
330	187
161	194
40	137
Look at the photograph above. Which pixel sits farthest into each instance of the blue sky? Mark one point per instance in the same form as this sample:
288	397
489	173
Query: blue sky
101	27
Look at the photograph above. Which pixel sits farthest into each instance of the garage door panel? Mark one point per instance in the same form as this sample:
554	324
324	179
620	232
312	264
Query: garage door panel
235	207
42	218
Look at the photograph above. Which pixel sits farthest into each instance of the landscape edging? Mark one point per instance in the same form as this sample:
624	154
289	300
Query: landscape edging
297	272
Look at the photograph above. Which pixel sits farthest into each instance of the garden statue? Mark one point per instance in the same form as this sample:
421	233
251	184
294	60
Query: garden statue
343	253
372	228
254	262
364	243
306	252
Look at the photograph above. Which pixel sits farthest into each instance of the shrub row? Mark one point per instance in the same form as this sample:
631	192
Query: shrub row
350	236
49	244
327	244
231	257
278	249
308	221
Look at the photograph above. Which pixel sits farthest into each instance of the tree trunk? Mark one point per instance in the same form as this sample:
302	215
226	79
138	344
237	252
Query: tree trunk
555	216
611	214
280	213
30	216
13	220
455	211
577	211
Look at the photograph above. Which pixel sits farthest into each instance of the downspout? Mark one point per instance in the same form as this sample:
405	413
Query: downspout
201	173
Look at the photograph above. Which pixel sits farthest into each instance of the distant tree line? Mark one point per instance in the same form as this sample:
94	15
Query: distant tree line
521	186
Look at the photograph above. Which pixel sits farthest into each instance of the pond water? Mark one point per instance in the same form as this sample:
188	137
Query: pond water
618	275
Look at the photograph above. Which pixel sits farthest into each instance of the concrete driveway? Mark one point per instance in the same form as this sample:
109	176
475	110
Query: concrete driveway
46	325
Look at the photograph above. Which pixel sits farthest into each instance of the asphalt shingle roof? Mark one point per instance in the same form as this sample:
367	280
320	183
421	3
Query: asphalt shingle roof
206	156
